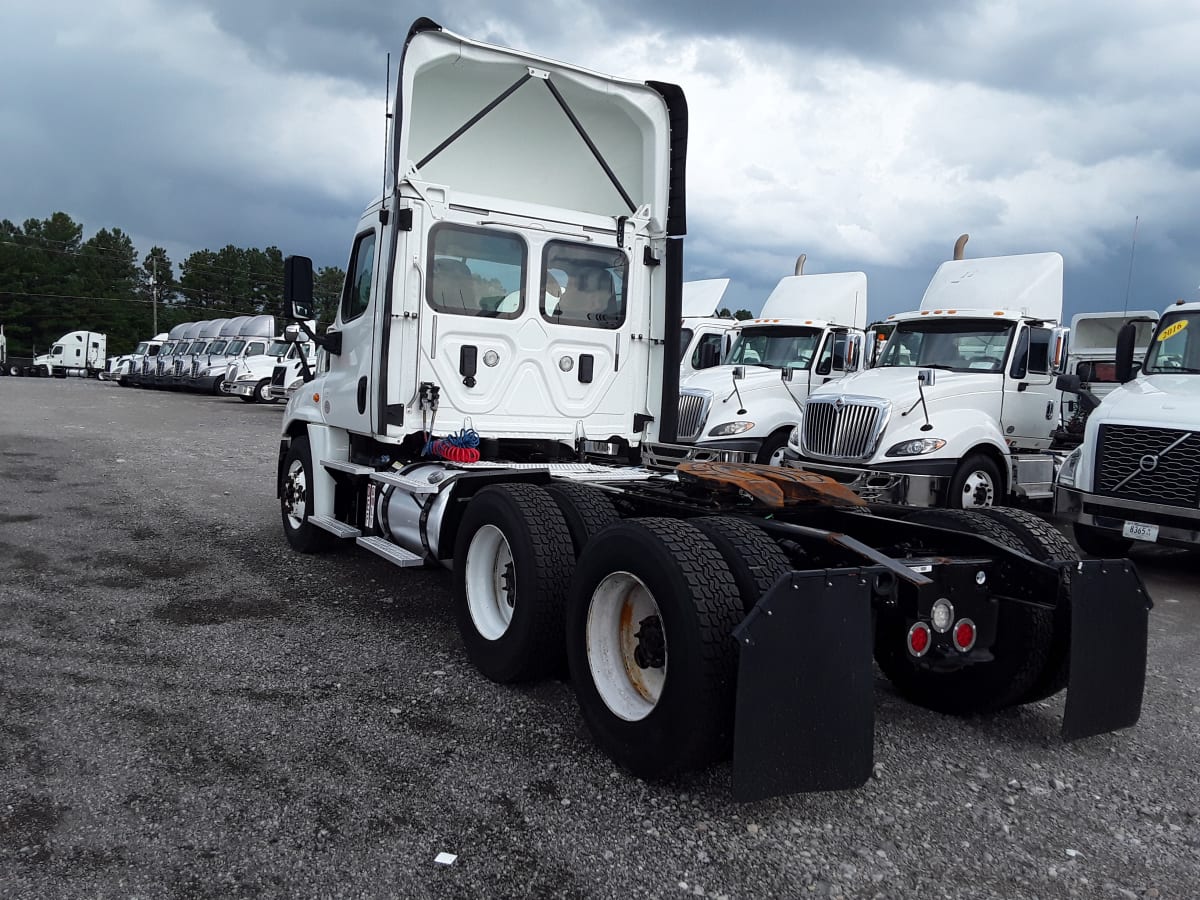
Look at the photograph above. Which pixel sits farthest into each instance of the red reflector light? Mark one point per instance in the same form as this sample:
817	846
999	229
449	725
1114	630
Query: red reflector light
919	639
964	635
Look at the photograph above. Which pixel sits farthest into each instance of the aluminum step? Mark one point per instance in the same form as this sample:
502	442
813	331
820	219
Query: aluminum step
333	526
392	553
411	485
348	467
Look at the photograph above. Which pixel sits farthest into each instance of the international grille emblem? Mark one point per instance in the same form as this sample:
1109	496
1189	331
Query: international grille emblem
838	405
1148	463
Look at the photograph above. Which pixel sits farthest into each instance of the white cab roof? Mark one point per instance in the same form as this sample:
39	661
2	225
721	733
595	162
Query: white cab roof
1031	284
701	298
839	298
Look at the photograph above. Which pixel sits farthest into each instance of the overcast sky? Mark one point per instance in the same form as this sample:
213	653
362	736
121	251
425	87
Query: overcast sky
866	137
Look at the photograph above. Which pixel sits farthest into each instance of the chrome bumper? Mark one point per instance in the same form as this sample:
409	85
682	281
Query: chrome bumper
1177	525
668	456
876	486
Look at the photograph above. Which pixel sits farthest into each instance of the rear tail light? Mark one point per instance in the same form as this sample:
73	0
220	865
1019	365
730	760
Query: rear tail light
964	635
919	639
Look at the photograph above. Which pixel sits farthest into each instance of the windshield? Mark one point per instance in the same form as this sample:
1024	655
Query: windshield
278	348
1175	349
142	347
217	347
685	341
961	345
775	347
56	350
166	350
235	347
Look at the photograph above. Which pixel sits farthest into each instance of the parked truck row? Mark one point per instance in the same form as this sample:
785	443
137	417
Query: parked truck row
504	364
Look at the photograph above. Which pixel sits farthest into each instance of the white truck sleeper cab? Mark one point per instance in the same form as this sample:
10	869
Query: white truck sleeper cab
705	338
1136	475
512	304
961	407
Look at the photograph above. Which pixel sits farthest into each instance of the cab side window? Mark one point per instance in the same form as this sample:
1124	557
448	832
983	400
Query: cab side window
256	348
1032	353
356	296
708	351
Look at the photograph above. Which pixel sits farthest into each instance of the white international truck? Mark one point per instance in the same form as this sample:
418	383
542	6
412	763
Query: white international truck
810	332
1136	475
961	407
713	609
119	368
249	377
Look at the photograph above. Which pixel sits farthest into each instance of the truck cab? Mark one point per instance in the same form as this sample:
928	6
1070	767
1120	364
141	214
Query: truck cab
121	367
1136	475
75	353
961	406
248	351
705	337
810	332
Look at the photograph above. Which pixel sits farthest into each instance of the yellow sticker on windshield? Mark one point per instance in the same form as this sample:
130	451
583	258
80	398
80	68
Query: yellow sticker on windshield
1173	329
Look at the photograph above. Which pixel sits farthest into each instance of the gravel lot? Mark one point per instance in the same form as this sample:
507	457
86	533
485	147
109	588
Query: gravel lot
187	709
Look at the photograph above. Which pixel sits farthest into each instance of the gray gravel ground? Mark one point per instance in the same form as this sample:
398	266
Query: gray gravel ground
187	709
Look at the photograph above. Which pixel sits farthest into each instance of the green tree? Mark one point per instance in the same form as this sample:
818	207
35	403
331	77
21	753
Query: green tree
724	313
327	291
743	314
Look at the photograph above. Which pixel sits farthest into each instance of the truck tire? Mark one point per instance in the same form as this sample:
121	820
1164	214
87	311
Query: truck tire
262	393
296	502
649	618
1024	635
246	399
771	451
1101	543
512	565
1045	543
754	560
977	482
587	511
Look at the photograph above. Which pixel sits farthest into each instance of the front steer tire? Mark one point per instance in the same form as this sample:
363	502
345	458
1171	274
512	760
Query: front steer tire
1021	650
513	561
296	497
655	721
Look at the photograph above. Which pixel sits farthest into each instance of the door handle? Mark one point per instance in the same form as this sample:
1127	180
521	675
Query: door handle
362	395
1022	386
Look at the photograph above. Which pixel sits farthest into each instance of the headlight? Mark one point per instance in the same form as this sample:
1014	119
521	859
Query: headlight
916	447
1066	475
297	384
248	376
730	428
794	437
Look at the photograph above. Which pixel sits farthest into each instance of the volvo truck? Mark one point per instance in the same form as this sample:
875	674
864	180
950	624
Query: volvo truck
466	415
1135	478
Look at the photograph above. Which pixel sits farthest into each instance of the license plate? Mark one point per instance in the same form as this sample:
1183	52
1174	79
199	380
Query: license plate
1139	531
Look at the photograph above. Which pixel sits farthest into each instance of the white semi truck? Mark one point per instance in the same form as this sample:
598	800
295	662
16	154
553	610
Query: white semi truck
75	353
810	332
119	368
250	377
1136	475
459	418
961	407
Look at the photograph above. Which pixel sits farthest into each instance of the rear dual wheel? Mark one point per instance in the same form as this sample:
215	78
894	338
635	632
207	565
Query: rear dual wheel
648	627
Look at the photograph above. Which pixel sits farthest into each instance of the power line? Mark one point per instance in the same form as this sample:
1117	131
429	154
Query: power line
127	300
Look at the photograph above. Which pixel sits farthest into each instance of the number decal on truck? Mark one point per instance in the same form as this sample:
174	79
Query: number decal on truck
1171	330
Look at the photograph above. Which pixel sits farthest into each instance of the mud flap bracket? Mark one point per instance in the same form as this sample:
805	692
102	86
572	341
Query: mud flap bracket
1110	612
805	717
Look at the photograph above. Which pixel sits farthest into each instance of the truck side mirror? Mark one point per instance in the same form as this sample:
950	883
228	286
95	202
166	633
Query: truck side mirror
739	372
1068	384
291	334
1126	338
785	374
298	287
926	377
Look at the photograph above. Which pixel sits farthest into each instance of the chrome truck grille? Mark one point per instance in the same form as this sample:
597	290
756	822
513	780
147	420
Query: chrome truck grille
693	413
1158	465
842	428
195	367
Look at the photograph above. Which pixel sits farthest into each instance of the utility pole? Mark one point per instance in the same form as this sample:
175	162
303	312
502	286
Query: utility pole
154	292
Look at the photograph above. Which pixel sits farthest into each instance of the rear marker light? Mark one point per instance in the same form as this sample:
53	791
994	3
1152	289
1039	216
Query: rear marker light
964	635
942	615
919	639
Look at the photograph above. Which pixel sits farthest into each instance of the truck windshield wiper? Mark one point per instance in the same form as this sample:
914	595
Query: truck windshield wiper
1174	370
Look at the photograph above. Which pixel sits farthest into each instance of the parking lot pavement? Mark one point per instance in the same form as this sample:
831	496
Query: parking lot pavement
187	709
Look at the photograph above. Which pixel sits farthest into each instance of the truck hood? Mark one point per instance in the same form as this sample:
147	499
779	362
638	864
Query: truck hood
1155	400
899	385
719	380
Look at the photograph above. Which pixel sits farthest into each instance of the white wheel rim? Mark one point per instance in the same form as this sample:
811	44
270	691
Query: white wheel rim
262	391
619	605
777	457
295	493
978	490
491	582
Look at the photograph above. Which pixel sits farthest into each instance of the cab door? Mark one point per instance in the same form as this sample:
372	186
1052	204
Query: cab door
346	398
1030	410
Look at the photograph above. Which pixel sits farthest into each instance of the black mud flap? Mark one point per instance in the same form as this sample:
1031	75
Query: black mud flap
1110	612
805	718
